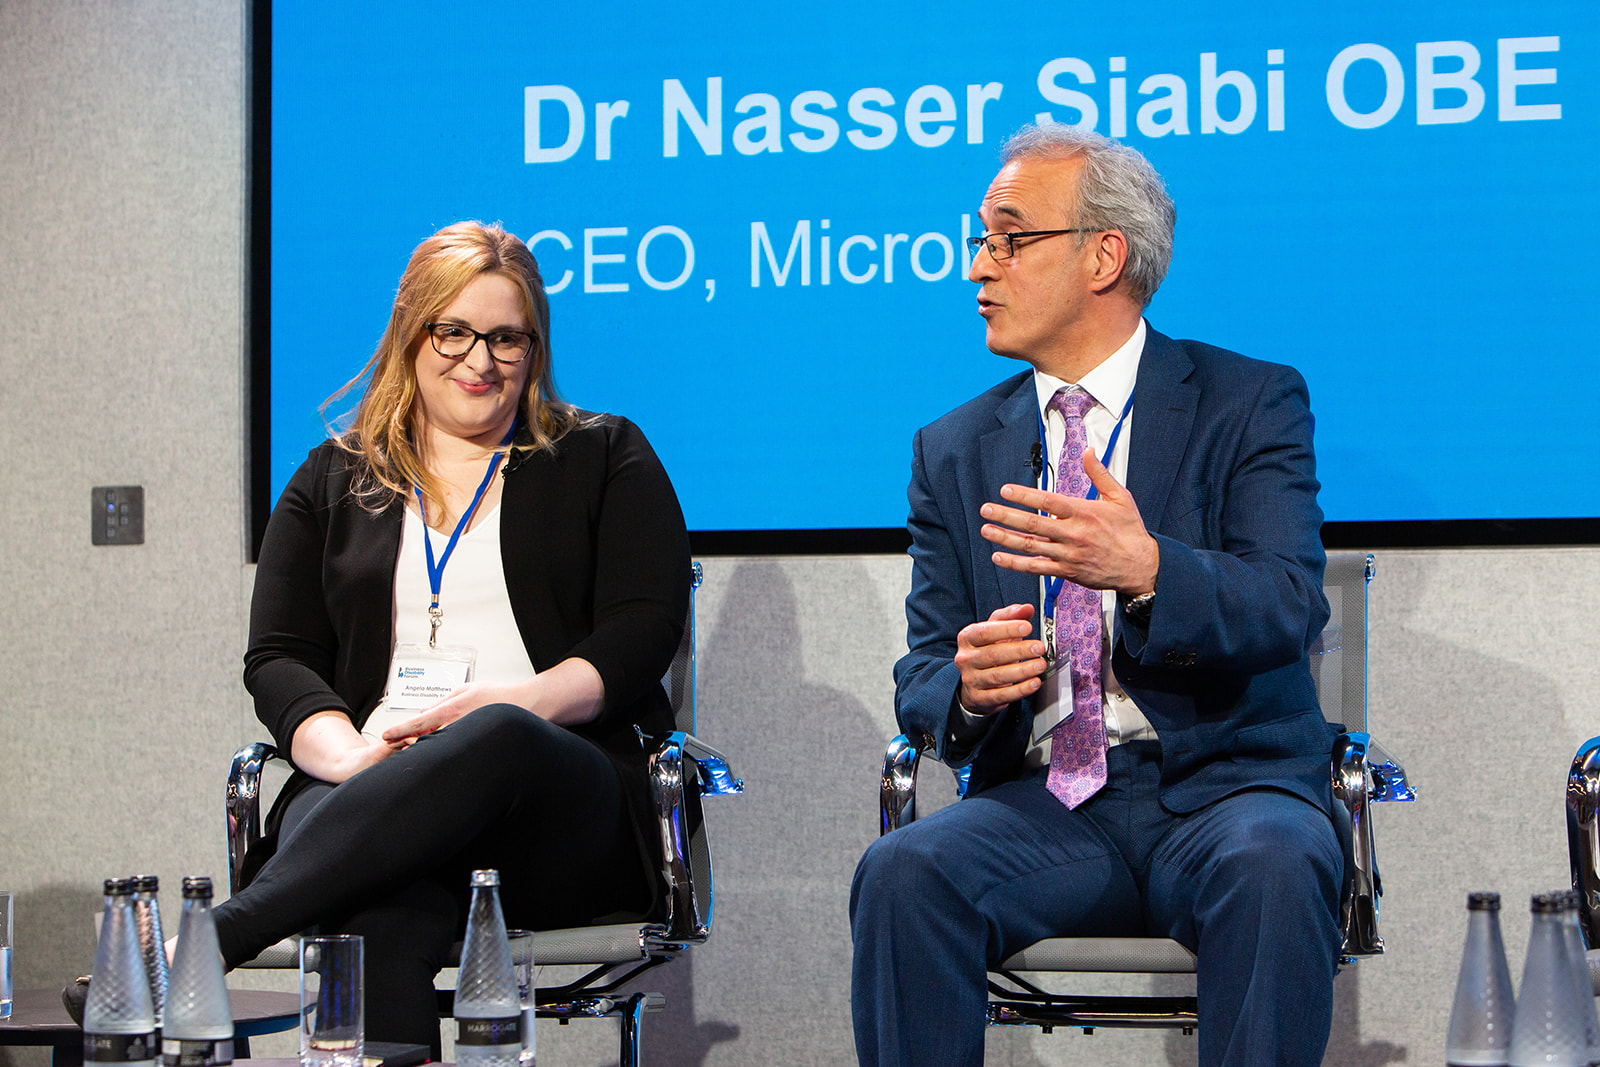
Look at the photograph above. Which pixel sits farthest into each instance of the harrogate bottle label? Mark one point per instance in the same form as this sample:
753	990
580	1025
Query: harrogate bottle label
502	1031
119	1048
179	1053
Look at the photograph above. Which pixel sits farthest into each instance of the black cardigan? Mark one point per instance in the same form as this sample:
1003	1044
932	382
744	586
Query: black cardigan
596	564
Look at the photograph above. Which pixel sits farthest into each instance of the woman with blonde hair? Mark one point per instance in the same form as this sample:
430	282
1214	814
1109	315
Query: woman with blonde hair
474	538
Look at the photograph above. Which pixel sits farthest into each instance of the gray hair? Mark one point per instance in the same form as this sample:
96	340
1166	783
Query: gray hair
1118	189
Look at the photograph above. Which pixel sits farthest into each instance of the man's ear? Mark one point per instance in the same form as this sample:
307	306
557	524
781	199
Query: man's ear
1111	257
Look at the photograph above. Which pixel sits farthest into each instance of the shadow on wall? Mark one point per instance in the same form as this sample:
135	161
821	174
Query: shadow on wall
810	754
778	963
676	1036
1466	696
53	927
1346	1045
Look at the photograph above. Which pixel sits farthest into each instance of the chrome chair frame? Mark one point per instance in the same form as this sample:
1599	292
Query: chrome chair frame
1583	846
1361	774
682	770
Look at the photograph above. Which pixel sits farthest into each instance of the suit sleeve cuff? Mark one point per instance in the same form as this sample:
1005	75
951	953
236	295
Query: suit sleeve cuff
965	732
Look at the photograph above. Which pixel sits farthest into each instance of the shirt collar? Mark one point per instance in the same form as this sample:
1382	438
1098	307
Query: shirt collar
1110	383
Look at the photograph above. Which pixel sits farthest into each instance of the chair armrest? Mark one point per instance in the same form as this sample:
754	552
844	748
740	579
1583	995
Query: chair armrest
716	779
244	805
1362	773
1358	898
897	789
1388	777
1583	836
682	770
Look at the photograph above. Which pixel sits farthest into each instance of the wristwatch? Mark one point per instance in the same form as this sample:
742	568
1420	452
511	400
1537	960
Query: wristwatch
1138	608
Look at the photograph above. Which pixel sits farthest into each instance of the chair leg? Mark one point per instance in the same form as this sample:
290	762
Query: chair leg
629	1022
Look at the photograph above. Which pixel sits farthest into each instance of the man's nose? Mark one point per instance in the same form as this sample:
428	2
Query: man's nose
983	266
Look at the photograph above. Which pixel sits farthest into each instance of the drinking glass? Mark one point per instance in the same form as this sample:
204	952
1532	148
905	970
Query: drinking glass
5	954
522	962
331	1009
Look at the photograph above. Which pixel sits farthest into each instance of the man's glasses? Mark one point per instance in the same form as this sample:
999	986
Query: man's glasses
453	341
1004	245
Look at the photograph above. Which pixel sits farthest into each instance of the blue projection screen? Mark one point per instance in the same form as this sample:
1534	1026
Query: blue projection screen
751	221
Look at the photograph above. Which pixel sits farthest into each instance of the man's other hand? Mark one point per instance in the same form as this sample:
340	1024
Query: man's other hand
1000	662
1100	544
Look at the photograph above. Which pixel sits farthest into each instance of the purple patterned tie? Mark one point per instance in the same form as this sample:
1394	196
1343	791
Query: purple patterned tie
1077	744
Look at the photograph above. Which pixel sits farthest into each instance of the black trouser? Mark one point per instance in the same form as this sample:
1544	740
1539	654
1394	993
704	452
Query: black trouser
388	854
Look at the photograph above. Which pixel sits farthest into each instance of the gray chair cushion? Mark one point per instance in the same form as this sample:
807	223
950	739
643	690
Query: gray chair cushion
284	955
589	945
585	945
1136	955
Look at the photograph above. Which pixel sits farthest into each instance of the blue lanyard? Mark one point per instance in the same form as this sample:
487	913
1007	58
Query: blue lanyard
436	570
1052	586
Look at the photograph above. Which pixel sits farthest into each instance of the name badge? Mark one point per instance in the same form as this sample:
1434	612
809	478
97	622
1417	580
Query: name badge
420	677
1054	699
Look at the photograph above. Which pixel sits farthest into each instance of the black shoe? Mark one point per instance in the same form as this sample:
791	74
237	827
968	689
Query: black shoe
74	996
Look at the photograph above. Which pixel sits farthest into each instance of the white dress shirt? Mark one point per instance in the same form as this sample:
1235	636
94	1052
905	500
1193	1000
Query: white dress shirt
1110	384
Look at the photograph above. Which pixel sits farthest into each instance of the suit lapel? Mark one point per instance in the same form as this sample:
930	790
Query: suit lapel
1007	457
1163	417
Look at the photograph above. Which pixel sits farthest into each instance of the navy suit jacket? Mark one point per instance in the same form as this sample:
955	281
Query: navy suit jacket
1221	467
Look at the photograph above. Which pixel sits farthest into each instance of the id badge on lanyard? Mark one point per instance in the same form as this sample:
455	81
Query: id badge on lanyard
422	675
1054	699
419	677
436	567
1053	702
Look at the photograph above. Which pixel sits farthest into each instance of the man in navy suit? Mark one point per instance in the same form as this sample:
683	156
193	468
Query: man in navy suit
1189	796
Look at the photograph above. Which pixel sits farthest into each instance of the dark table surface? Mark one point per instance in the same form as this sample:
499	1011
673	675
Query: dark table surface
39	1018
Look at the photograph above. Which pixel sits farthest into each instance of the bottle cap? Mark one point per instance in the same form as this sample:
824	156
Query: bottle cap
197	887
491	878
1546	903
119	887
145	883
1483	901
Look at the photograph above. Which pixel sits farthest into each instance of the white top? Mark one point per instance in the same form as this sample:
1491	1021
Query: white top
472	595
473	598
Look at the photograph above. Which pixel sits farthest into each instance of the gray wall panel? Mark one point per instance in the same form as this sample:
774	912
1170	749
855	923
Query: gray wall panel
120	220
